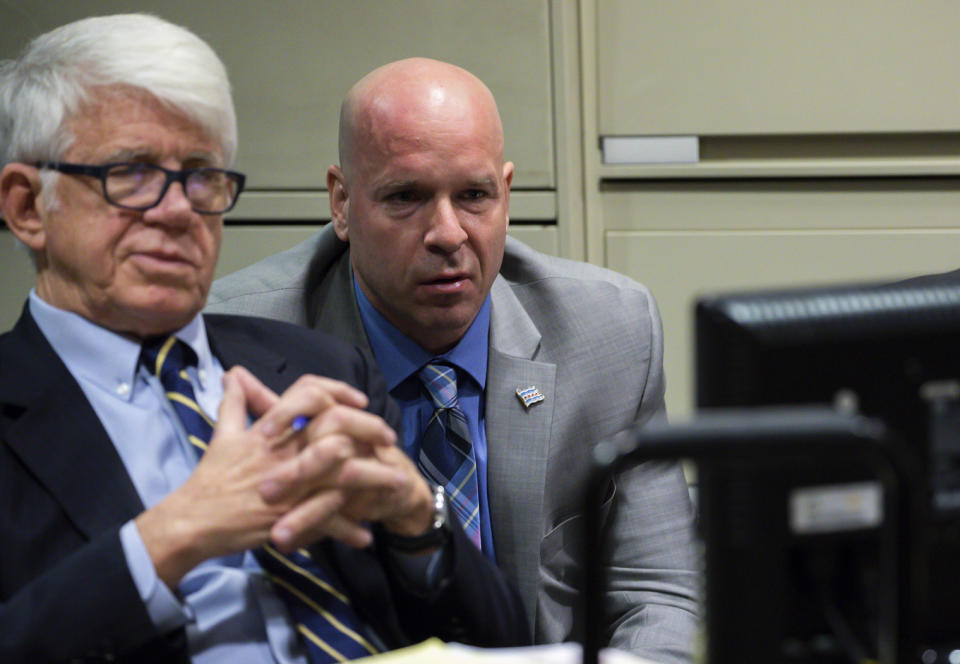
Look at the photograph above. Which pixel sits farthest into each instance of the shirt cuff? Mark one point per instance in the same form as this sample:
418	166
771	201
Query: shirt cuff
163	607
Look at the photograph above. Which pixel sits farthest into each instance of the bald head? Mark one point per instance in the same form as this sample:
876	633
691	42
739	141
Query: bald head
401	100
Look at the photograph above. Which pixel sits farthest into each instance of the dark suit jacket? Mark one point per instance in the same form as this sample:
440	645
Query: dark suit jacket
65	590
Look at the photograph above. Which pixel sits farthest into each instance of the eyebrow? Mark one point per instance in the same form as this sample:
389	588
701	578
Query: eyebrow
399	185
129	154
147	154
487	182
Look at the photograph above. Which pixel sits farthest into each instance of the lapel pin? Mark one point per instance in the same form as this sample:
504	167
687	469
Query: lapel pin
529	396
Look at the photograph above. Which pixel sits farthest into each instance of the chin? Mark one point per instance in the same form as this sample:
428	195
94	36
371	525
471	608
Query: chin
159	316
446	332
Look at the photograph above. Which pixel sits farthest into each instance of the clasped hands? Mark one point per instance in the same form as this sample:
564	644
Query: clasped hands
270	482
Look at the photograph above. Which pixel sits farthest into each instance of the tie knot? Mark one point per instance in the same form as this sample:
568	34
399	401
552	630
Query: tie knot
166	356
441	383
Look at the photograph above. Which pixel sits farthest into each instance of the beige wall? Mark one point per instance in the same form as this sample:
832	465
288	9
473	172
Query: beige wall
829	133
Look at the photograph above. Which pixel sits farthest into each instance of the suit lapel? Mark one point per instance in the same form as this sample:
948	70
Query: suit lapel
58	436
332	306
231	344
518	439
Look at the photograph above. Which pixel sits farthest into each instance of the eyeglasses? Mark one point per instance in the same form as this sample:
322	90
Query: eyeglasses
141	186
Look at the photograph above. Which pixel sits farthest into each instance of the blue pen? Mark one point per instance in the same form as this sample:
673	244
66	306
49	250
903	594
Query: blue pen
298	424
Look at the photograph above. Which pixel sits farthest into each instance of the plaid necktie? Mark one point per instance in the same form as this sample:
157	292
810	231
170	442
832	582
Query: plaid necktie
323	614
446	451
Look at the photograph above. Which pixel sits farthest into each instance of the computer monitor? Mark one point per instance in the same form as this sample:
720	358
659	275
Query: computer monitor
890	351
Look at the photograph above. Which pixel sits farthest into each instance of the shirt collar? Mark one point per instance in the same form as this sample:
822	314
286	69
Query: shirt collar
399	356
103	357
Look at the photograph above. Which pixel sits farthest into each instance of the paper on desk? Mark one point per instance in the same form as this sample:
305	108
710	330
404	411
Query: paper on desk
435	651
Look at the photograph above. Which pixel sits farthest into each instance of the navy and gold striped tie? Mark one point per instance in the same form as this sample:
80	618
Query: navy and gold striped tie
322	612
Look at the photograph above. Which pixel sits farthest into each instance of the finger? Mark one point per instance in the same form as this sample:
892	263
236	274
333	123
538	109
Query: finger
331	438
348	531
293	438
308	396
313	467
316	518
348	433
232	414
259	397
369	431
369	505
396	457
310	516
368	474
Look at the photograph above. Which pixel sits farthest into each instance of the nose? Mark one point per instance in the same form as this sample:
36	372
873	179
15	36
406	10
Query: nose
173	209
445	233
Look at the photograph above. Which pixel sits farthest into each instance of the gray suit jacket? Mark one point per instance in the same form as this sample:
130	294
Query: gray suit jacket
590	340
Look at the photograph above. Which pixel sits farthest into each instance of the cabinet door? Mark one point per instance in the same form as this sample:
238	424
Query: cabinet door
291	62
759	67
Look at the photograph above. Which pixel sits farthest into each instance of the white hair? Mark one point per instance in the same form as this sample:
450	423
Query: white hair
54	76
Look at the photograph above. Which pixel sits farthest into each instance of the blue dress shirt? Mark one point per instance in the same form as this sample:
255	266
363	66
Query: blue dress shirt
400	358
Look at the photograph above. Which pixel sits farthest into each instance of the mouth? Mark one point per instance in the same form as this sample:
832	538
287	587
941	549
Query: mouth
161	257
446	284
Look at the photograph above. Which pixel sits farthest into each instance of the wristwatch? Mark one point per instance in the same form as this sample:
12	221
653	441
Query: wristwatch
436	537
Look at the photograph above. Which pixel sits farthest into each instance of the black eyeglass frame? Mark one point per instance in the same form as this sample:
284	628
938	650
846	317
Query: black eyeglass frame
100	172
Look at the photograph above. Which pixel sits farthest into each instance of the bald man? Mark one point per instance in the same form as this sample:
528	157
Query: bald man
547	356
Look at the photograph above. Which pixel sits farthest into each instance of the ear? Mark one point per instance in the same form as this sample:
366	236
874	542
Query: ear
339	202
21	205
507	179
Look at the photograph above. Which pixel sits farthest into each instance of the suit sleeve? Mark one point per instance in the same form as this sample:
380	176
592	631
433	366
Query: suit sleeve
474	604
653	573
85	606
